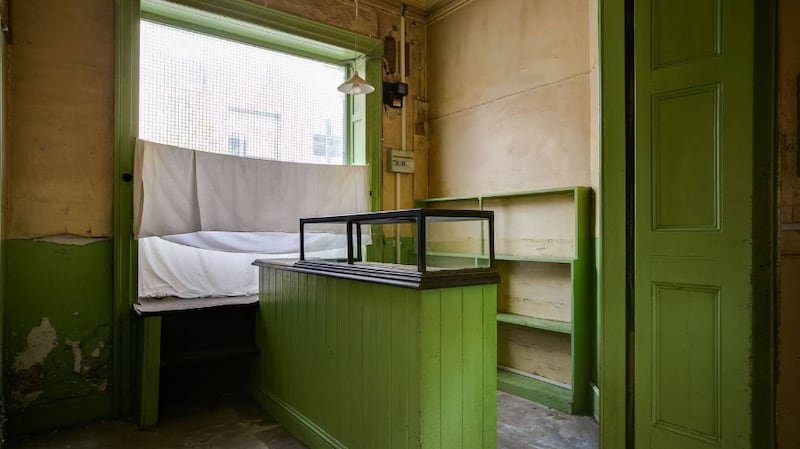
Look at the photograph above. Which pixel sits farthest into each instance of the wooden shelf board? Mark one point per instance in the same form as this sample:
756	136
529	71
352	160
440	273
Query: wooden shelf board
564	260
570	189
457	255
534	259
545	393
535	323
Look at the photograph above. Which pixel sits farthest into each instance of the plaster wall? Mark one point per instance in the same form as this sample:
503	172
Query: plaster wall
788	394
511	88
61	118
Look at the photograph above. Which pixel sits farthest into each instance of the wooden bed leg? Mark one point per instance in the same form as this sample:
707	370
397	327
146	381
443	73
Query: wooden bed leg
149	370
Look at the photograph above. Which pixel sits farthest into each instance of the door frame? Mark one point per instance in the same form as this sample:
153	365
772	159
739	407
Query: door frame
617	267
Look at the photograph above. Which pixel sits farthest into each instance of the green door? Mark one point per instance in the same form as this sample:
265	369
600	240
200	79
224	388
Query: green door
693	179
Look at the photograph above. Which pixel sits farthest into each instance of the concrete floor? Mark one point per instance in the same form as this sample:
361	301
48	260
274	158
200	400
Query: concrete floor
231	423
522	424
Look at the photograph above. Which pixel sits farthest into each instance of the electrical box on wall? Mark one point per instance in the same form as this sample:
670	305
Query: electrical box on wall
401	161
393	94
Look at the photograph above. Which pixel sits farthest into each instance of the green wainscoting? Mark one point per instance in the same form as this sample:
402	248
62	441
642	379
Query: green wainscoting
57	333
349	364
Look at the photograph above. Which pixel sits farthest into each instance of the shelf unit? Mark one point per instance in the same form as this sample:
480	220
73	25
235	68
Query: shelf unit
576	396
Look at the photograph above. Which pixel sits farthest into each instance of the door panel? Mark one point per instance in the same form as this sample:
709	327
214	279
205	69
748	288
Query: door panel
693	180
684	30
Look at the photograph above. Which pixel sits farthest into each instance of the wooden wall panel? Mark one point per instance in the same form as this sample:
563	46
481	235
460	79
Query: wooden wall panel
378	366
535	226
541	353
535	289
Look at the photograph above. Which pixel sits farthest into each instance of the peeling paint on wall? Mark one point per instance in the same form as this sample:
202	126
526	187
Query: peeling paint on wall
76	353
58	322
28	367
42	339
69	239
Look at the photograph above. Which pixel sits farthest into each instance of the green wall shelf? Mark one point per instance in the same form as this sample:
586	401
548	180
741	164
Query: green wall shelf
535	323
577	398
536	390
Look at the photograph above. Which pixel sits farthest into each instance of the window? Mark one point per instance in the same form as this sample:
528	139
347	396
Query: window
208	93
229	77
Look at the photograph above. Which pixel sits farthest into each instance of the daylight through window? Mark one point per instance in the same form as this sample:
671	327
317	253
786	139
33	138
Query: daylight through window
211	94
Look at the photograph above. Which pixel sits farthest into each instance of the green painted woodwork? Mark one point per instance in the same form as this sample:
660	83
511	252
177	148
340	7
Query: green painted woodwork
613	291
595	377
2	230
66	413
501	257
126	128
479	198
614	247
362	365
536	323
57	333
149	368
582	327
693	224
249	25
128	14
697	37
308	35
765	222
536	390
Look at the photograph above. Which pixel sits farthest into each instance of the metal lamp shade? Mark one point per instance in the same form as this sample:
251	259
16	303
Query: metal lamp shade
356	86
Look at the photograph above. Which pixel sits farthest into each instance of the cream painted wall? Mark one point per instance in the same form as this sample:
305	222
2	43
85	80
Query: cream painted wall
788	394
60	118
512	89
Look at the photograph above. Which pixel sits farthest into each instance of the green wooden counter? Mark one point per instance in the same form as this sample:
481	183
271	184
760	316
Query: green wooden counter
355	364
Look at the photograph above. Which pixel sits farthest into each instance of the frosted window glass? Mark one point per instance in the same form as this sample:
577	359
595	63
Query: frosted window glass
211	94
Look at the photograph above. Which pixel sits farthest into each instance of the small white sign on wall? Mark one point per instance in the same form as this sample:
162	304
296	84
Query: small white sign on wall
401	161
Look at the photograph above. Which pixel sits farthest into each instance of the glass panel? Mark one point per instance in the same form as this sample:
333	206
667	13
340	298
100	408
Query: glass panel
206	93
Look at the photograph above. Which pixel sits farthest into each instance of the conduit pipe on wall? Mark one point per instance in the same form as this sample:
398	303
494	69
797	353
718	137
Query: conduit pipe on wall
403	143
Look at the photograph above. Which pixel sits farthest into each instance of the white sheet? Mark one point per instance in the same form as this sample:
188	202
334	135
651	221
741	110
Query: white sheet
281	243
179	191
171	269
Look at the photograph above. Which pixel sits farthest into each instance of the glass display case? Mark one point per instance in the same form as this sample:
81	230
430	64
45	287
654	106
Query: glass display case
427	239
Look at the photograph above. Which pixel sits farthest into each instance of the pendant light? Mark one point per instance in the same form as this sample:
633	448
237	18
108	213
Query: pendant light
356	85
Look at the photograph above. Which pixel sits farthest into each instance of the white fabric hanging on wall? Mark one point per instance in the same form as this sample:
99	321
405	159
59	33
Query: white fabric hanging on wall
165	191
263	242
203	218
178	191
170	269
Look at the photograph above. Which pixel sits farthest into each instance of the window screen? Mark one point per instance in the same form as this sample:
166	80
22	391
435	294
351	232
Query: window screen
211	94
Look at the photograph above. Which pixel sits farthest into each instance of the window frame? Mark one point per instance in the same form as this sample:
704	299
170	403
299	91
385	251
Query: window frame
287	33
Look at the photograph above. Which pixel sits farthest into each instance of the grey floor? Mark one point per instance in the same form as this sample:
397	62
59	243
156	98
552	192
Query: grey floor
239	424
